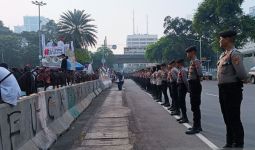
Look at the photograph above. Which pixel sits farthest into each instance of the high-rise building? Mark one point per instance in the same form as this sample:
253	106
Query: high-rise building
31	23
137	43
252	11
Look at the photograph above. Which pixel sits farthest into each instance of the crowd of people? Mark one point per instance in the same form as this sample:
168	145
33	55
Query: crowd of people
174	77
17	82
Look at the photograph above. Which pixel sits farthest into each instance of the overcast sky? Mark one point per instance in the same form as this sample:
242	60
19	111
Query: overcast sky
112	17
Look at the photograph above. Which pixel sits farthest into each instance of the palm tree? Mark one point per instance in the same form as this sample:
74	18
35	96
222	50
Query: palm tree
76	26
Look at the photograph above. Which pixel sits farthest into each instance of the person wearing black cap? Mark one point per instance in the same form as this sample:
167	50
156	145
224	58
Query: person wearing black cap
172	76
159	84
153	82
231	75
182	88
194	76
163	73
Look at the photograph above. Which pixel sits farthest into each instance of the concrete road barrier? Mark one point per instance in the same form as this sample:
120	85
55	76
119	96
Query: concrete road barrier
38	120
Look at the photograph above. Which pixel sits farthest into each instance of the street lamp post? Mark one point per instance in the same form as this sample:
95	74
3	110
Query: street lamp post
39	4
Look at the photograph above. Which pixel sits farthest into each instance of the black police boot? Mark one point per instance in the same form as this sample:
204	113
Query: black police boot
177	113
166	104
192	131
239	146
199	128
184	120
179	119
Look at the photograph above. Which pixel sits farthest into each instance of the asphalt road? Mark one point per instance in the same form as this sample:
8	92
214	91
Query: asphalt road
150	125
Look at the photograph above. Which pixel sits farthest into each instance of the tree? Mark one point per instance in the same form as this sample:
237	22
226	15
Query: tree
51	31
10	48
98	55
75	26
213	17
29	51
179	34
83	56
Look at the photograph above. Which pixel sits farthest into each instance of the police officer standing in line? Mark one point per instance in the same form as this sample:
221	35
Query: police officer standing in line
182	87
153	81
194	77
173	75
163	73
231	75
159	84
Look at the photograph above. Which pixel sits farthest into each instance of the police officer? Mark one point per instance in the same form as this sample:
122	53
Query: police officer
173	75
153	82
163	73
182	88
231	75
195	89
158	84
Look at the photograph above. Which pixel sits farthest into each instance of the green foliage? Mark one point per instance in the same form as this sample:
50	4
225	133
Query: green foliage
97	57
213	17
76	27
50	30
179	34
30	48
83	56
9	47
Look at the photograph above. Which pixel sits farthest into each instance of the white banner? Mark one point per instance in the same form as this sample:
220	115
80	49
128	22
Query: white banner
53	51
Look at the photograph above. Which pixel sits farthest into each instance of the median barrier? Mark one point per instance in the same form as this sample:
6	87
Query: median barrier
38	120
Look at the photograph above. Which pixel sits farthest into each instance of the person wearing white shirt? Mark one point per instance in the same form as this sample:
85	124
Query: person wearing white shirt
9	87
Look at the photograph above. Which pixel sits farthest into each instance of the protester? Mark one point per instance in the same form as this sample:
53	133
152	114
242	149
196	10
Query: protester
9	87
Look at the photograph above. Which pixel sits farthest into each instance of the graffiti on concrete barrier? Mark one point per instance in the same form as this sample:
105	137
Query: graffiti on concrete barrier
13	120
50	103
62	106
33	113
71	97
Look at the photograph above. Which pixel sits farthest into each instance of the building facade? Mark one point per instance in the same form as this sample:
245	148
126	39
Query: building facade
137	43
30	23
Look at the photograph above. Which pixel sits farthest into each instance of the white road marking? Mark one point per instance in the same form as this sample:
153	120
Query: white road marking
212	94
199	135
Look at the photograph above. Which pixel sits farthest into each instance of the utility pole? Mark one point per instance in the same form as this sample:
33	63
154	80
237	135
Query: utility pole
200	43
39	4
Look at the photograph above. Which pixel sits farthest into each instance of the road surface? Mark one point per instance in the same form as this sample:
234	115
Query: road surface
131	119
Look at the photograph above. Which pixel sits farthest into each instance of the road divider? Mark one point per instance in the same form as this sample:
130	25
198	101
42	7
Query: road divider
38	120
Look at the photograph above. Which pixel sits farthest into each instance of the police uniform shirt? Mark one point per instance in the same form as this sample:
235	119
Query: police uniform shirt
164	75
195	70
173	74
230	67
153	78
182	77
159	77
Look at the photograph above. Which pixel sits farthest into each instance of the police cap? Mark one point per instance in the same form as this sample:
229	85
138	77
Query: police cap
191	48
171	62
180	61
229	33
